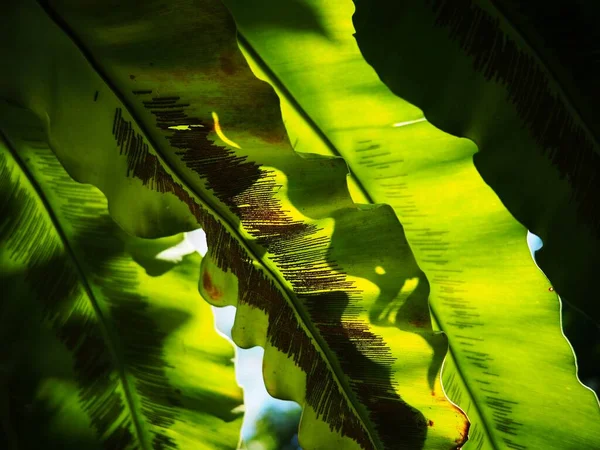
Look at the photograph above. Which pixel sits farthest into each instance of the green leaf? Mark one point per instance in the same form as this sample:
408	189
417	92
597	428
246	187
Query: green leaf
510	368
99	353
519	83
156	106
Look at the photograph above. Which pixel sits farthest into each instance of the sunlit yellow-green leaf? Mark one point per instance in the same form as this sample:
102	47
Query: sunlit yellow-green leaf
517	79
510	367
155	105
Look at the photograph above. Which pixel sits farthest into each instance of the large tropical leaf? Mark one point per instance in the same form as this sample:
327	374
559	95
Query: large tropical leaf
510	367
104	345
520	80
155	105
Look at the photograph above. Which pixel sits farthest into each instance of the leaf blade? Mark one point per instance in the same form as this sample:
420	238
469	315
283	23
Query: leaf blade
120	381
334	90
149	160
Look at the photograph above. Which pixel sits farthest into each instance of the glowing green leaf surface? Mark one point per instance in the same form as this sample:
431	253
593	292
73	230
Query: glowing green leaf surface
107	346
157	107
154	104
510	367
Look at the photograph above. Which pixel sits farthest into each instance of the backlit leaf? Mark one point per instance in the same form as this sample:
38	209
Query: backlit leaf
156	106
105	346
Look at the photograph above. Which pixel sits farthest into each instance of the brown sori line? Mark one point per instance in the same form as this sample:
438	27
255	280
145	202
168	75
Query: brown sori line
263	216
163	105
249	193
159	100
498	57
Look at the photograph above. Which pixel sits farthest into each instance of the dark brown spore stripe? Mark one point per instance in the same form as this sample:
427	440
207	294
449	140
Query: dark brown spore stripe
544	114
142	92
249	192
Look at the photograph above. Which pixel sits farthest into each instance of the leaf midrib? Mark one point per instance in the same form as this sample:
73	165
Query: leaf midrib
224	221
109	337
460	372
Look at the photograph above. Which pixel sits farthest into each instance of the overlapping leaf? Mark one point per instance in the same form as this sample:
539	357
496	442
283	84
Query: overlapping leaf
104	345
161	112
516	78
510	367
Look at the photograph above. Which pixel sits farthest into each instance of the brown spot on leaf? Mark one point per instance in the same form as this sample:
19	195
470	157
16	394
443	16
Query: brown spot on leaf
463	430
272	137
430	423
418	322
213	292
227	64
